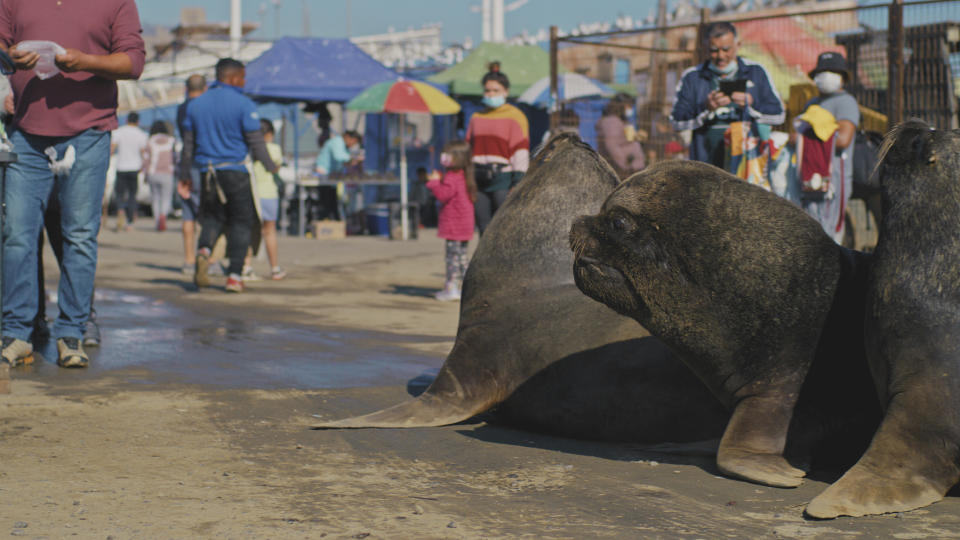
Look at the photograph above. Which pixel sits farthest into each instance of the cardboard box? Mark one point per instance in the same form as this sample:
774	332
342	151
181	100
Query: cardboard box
328	229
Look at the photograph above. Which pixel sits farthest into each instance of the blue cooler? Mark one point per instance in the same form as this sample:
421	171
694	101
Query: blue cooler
378	219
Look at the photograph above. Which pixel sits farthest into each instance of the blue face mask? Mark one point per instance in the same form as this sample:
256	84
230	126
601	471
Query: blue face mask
726	70
494	101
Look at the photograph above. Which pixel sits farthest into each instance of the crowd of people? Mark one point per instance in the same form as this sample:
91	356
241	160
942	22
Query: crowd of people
728	104
64	131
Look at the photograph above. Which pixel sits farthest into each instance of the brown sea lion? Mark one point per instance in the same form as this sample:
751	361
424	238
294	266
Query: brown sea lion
912	329
529	341
740	284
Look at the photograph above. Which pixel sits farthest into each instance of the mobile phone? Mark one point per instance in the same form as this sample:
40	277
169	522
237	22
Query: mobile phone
729	87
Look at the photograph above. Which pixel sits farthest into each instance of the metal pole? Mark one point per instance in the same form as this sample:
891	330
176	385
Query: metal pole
236	28
301	191
554	81
895	65
404	226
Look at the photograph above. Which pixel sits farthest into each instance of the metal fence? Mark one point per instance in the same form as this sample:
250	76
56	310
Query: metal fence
904	59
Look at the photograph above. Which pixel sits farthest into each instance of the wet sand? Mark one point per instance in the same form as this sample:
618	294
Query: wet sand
192	420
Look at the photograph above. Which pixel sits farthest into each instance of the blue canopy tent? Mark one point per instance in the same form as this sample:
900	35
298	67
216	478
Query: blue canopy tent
312	70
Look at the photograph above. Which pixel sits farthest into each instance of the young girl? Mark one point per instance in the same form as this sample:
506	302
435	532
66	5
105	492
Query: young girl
269	202
158	161
457	192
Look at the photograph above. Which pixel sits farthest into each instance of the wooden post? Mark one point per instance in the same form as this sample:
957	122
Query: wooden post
655	113
554	83
896	44
702	49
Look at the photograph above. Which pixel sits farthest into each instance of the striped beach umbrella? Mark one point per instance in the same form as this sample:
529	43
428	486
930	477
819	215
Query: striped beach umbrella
403	97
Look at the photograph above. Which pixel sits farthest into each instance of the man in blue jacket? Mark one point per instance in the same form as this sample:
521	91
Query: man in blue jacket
707	109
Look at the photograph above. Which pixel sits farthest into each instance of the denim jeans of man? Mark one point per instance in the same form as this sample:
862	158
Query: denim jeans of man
29	187
237	215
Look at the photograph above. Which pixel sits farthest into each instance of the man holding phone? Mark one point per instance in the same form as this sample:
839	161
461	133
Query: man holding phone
722	90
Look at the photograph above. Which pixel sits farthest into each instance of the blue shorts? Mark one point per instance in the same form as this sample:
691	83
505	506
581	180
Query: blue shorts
269	209
192	206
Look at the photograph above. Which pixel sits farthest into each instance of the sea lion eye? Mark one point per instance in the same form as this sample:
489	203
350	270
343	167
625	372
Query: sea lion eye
619	223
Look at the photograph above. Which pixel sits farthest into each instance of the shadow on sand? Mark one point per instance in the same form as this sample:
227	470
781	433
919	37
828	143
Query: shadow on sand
410	290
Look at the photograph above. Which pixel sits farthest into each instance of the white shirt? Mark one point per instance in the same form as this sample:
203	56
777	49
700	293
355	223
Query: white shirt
130	141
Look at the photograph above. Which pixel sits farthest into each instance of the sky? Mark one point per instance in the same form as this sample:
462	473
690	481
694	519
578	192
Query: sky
329	18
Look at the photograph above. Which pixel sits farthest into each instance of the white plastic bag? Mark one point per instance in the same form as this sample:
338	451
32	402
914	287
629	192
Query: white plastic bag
46	66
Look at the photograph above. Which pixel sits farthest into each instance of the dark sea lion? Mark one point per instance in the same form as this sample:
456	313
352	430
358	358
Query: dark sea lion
530	341
739	283
912	329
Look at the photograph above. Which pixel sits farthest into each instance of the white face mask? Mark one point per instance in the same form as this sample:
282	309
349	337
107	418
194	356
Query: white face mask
828	82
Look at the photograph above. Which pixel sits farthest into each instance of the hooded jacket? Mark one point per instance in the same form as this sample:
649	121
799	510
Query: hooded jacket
690	110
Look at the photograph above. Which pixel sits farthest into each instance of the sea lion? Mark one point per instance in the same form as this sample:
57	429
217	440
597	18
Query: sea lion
530	341
912	328
740	284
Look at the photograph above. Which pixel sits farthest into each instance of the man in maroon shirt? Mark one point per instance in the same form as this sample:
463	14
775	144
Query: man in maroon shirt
74	108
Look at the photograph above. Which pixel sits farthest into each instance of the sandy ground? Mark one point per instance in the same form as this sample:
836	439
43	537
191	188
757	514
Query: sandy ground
127	453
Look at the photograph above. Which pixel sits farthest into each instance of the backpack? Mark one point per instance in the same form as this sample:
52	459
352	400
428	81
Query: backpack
866	145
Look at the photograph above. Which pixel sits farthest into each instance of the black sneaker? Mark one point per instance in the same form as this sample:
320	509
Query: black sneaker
71	353
91	333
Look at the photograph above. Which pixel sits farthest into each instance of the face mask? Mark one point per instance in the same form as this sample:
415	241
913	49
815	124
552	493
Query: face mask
828	82
494	101
445	159
629	113
725	70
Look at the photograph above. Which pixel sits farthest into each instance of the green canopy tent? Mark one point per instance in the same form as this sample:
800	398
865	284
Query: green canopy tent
523	64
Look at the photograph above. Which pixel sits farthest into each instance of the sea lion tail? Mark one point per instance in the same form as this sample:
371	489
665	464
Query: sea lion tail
427	410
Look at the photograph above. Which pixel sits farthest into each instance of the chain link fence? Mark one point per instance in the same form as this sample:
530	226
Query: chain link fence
904	60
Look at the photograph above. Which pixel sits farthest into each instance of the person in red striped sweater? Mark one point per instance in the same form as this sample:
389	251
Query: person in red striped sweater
500	138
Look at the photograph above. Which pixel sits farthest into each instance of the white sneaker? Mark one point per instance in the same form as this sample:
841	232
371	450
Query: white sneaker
448	294
249	275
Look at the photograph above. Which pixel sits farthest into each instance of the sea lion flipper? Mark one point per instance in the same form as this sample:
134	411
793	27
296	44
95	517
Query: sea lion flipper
883	481
425	411
752	445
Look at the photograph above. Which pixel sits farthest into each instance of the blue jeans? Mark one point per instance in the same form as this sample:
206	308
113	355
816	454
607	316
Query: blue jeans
30	185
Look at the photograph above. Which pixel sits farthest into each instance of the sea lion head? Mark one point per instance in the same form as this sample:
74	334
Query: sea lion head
624	242
917	160
685	241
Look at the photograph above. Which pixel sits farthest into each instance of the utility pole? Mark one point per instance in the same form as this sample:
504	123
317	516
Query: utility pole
306	19
348	19
496	22
276	18
236	28
485	11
